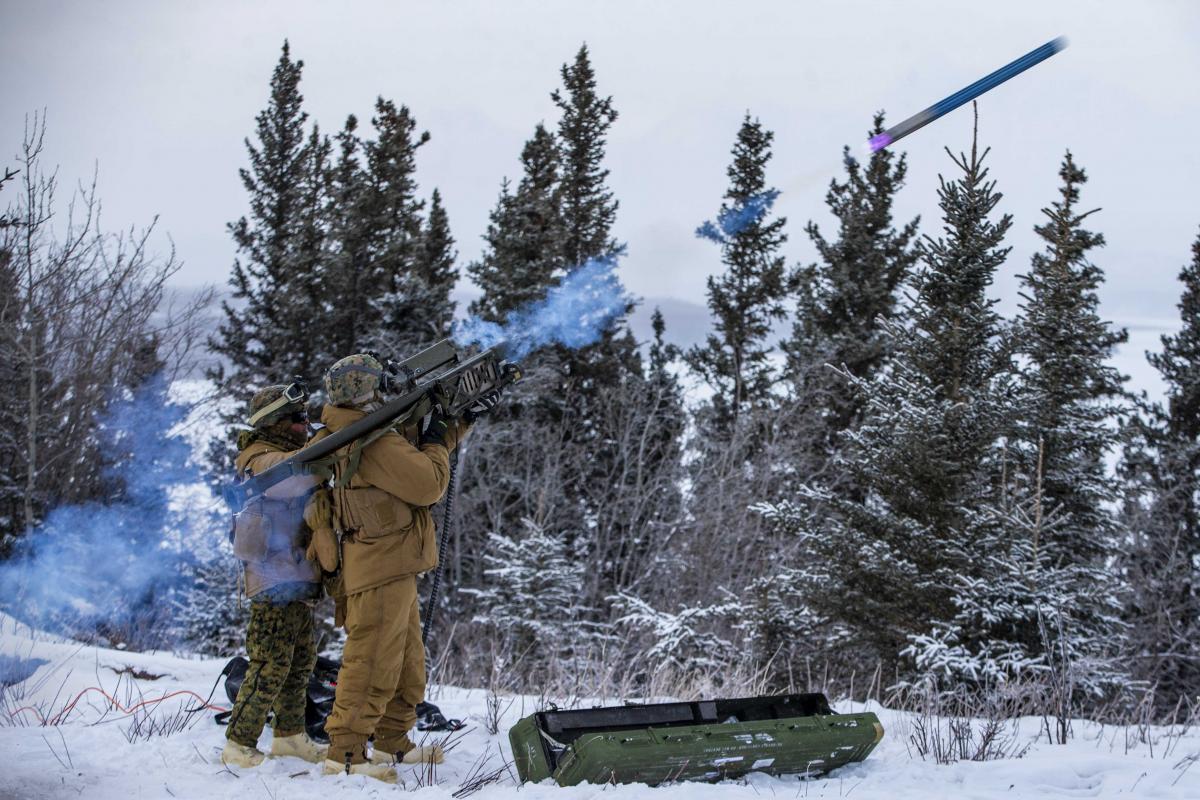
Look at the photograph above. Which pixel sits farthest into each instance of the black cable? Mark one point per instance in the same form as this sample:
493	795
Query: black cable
224	673
443	543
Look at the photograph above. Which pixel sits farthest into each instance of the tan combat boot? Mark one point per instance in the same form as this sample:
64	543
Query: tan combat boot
380	772
423	754
238	755
298	745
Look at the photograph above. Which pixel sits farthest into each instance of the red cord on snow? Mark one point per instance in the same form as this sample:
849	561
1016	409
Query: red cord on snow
61	716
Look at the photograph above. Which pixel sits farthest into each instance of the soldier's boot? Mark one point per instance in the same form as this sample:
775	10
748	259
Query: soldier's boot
300	746
380	772
238	755
422	754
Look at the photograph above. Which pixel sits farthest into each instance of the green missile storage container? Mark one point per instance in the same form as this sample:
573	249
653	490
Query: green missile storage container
794	734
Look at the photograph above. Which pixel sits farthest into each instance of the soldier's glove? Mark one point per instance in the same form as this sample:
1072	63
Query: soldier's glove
435	432
481	407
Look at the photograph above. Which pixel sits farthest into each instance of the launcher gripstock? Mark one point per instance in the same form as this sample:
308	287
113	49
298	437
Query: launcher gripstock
440	372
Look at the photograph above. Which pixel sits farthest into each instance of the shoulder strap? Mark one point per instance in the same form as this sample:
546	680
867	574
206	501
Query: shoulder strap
349	465
341	466
346	467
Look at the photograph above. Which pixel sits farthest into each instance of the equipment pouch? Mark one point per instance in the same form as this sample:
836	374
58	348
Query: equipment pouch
251	533
318	515
324	549
375	513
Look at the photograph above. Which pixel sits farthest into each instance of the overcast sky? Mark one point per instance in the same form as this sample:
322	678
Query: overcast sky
161	95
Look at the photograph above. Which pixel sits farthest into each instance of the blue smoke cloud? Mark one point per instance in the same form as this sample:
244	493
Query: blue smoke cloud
106	564
125	563
574	313
732	221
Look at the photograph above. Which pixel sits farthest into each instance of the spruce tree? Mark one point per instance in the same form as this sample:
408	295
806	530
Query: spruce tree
663	383
527	574
679	644
417	309
434	273
525	236
273	316
886	565
392	212
842	301
749	296
1034	592
388	273
305	301
255	336
843	298
580	425
1053	535
601	412
1068	390
737	429
1179	360
588	206
1162	512
347	285
521	261
588	211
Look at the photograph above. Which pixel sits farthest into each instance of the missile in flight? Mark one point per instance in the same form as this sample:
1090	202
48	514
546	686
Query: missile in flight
943	107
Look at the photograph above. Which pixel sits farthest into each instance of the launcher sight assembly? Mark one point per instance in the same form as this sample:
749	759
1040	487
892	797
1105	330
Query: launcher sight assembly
440	376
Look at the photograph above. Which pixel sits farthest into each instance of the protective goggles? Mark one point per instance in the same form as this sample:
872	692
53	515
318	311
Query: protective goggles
294	392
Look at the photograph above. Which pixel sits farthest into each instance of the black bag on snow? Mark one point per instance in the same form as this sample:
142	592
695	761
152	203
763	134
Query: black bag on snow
322	685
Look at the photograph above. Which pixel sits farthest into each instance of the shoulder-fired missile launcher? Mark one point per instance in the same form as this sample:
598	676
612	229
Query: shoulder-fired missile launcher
440	375
707	740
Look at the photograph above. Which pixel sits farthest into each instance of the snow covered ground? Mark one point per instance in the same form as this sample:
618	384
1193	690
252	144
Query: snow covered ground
94	750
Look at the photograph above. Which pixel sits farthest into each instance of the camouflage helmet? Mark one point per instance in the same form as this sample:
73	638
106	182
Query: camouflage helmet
354	379
273	403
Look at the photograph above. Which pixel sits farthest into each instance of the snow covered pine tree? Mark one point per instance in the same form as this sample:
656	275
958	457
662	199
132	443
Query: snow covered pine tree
925	455
1162	512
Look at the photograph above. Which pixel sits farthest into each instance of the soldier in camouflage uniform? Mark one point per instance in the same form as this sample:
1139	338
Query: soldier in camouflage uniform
270	537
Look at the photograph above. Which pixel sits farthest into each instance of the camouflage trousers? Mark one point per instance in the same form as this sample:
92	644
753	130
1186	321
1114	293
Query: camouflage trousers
279	642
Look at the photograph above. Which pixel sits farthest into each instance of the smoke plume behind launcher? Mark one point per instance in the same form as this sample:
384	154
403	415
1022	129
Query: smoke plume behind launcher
575	313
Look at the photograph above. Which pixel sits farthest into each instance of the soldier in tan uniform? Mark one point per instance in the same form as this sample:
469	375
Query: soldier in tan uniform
270	537
381	507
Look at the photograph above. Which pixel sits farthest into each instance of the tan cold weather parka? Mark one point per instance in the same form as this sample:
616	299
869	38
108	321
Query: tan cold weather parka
383	514
283	537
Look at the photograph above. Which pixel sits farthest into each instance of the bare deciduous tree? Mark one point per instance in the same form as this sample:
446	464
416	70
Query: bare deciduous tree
85	316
